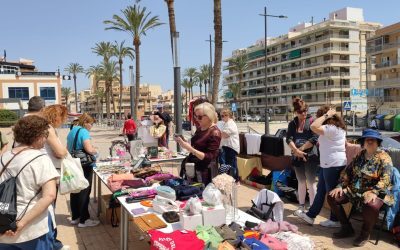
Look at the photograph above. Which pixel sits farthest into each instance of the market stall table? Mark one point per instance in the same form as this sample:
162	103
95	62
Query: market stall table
126	212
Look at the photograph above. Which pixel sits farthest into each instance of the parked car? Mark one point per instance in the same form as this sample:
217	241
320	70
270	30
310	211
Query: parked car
257	118
246	118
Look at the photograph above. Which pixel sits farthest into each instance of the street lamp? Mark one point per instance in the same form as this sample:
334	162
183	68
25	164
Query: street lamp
265	15
132	92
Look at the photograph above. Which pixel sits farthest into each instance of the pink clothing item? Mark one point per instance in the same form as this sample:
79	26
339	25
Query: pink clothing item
121	177
149	192
271	227
158	177
273	243
116	182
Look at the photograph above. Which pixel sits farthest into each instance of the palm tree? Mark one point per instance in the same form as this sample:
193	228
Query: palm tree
191	73
136	21
203	75
66	92
95	72
74	69
218	50
171	17
104	49
186	86
99	93
109	75
120	51
239	64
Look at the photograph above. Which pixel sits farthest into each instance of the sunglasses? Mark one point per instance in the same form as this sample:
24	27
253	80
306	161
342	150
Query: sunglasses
302	111
198	117
224	115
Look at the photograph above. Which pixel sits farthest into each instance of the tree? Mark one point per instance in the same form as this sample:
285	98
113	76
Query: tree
109	75
74	69
120	52
203	76
186	85
100	100
171	18
217	51
66	92
135	21
192	74
239	64
104	49
95	72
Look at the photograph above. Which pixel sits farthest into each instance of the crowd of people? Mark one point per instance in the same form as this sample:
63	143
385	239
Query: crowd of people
318	146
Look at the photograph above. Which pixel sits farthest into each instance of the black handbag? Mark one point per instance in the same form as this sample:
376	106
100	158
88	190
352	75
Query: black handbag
86	158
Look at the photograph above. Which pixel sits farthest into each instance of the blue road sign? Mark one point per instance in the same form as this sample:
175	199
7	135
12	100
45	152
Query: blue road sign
347	105
234	108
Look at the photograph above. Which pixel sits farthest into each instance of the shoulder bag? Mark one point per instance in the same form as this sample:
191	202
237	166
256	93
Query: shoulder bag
86	158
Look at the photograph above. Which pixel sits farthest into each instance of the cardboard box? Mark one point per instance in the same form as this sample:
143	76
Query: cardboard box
190	222
214	216
106	212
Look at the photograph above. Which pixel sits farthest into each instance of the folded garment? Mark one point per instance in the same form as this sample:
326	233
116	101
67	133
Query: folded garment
121	177
166	192
210	236
186	192
271	227
225	246
158	177
174	182
254	244
171	217
142	193
236	228
146	171
273	243
136	183
228	235
295	241
120	182
176	240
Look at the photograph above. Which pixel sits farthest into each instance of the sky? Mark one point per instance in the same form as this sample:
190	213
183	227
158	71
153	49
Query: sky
55	33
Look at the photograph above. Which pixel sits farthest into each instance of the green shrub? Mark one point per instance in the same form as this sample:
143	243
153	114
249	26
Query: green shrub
7	115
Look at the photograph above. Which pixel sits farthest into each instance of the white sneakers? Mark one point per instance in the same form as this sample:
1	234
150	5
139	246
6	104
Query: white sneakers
74	222
329	223
302	215
89	223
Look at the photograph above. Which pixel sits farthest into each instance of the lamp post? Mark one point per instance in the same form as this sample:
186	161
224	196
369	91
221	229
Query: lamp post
132	92
265	15
177	87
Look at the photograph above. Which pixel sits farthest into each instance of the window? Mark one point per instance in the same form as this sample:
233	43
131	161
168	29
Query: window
21	93
48	93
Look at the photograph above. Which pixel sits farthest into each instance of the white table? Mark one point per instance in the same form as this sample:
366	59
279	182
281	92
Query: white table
126	213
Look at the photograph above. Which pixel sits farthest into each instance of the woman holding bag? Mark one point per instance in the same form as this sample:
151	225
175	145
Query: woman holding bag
79	139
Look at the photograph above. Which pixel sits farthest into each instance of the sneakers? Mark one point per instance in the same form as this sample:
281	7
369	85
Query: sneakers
66	247
74	222
329	223
304	217
299	210
89	223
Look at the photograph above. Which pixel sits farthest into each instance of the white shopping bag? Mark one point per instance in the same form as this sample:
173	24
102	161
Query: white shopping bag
72	179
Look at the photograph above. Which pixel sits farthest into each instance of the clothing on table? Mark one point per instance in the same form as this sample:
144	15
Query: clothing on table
177	240
271	227
210	236
253	142
295	241
80	201
272	145
129	127
206	141
29	182
328	179
254	244
364	175
269	197
228	234
332	147
231	129
82	136
273	243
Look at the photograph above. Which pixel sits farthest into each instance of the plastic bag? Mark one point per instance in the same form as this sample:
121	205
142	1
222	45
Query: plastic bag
193	206
72	179
212	195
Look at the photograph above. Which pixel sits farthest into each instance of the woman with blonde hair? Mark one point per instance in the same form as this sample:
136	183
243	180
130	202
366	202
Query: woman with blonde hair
80	201
230	146
204	145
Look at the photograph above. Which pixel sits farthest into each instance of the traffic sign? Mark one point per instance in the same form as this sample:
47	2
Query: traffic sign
234	108
347	105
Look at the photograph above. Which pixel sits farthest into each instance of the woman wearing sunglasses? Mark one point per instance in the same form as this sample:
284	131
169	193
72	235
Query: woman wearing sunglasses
301	139
204	146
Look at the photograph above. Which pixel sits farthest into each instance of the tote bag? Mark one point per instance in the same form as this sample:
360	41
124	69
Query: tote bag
72	178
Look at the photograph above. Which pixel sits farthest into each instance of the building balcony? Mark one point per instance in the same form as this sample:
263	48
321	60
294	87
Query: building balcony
386	83
379	48
387	64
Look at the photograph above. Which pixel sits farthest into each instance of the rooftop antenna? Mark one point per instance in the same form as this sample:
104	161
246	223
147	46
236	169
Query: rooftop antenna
312	20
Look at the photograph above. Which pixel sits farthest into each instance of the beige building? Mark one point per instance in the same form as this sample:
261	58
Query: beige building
384	55
318	62
21	80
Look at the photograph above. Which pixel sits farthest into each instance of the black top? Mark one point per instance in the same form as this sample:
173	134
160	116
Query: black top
306	135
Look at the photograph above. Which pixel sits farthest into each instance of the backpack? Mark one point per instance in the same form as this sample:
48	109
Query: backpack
8	198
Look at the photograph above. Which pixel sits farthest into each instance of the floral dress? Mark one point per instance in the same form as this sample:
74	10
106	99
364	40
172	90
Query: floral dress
364	175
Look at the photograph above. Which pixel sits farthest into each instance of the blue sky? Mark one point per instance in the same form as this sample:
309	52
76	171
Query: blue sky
55	33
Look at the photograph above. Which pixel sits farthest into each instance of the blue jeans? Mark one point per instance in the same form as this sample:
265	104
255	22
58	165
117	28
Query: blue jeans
328	179
45	241
228	157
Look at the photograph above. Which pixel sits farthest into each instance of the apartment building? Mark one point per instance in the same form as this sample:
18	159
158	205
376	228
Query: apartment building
384	54
318	62
20	80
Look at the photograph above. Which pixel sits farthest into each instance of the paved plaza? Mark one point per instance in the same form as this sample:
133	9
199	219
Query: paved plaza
107	237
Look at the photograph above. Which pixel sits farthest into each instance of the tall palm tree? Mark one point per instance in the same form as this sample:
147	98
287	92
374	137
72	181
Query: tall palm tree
191	73
217	51
104	49
171	18
136	21
100	100
203	75
109	75
66	92
120	52
239	65
186	85
74	69
95	72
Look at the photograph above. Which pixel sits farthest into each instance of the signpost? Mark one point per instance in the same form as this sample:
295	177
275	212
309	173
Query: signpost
347	105
234	107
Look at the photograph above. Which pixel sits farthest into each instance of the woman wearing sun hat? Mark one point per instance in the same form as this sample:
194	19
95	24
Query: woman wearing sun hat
364	183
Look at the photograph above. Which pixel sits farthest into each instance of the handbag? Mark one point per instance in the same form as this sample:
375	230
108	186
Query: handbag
72	177
86	159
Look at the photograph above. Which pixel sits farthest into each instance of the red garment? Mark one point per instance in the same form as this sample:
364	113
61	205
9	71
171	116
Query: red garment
208	142
129	127
177	240
273	243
